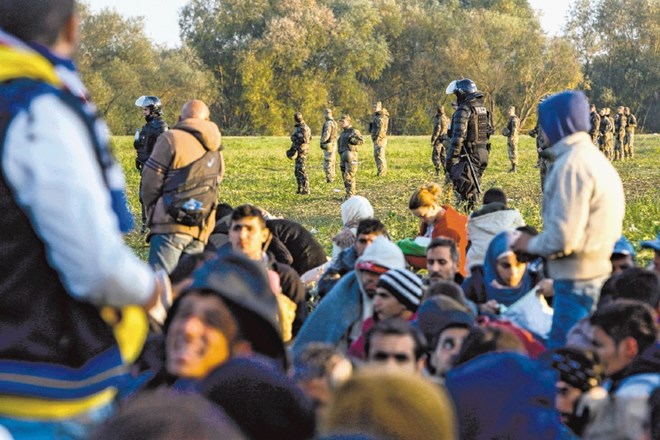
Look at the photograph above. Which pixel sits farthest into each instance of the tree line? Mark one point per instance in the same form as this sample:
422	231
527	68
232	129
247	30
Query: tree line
257	62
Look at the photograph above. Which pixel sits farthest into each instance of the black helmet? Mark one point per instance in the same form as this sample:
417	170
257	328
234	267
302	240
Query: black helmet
298	117
152	102
461	88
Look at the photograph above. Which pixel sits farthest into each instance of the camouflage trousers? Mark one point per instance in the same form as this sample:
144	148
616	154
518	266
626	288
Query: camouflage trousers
512	148
300	170
596	140
379	157
606	145
628	144
439	156
618	146
349	166
329	159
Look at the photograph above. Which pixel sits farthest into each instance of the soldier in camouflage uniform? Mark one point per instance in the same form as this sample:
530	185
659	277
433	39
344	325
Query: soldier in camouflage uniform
328	145
606	133
542	148
511	132
620	122
594	119
347	145
438	139
300	139
629	140
378	130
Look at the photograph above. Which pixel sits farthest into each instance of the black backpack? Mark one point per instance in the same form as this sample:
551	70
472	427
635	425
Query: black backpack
192	193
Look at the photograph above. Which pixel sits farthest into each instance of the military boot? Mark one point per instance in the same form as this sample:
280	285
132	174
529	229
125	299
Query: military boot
513	168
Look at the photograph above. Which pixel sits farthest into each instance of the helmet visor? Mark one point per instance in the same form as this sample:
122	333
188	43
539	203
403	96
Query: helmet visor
451	88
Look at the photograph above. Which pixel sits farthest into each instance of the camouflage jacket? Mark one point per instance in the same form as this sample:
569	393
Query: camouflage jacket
440	128
595	124
632	122
606	125
301	136
349	139
329	133
378	128
620	123
513	126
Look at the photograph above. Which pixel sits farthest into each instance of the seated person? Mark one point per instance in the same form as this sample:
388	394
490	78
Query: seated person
343	263
623	256
436	220
493	217
353	211
398	294
502	277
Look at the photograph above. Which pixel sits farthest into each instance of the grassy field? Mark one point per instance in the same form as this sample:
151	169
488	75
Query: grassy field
258	172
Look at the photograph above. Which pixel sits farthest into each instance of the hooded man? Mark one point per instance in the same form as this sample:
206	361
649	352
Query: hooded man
180	222
339	316
583	208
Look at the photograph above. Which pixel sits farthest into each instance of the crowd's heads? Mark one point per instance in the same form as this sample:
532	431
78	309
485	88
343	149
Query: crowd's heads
248	231
564	114
355	209
425	196
622	330
264	402
168	415
195	109
404	286
495	195
638	284
501	263
442	259
390	404
444	323
655	245
39	21
367	231
504	395
229	309
488	339
395	343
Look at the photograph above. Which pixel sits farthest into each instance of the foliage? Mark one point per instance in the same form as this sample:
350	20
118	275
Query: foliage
619	46
258	172
118	64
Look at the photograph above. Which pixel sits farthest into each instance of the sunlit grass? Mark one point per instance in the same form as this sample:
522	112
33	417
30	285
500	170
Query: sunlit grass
258	172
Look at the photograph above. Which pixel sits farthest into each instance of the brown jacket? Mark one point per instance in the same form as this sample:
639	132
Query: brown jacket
186	142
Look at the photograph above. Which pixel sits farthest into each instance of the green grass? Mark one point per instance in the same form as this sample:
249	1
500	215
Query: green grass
258	172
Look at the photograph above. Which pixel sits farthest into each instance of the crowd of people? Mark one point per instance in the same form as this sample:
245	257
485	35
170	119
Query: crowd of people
240	327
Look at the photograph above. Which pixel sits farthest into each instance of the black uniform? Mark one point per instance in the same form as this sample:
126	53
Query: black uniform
144	143
469	144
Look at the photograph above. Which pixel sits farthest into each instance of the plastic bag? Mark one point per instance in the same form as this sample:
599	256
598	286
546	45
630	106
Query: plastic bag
532	313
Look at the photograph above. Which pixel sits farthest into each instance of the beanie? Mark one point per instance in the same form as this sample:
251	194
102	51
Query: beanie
404	285
576	367
564	114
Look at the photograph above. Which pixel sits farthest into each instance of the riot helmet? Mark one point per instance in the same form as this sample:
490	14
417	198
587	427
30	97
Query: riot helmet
150	102
461	88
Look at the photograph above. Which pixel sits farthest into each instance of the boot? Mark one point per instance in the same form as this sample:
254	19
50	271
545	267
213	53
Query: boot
513	168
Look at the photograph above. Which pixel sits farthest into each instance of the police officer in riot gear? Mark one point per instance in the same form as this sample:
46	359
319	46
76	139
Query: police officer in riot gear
145	138
469	146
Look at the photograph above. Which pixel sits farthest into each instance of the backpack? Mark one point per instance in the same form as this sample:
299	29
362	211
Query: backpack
190	196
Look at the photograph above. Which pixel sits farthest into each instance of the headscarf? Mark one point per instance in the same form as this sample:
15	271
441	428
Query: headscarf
495	289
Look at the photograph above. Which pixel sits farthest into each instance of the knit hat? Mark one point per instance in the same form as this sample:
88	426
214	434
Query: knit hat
381	256
404	285
244	287
564	114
